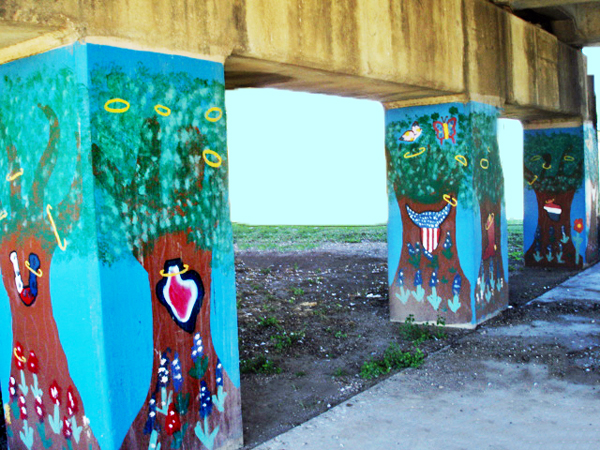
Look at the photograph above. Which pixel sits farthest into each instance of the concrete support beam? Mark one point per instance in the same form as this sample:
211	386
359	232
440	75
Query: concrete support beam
485	30
367	40
545	76
583	26
531	4
380	49
12	33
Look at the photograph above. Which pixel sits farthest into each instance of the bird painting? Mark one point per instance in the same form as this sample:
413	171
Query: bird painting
429	222
413	134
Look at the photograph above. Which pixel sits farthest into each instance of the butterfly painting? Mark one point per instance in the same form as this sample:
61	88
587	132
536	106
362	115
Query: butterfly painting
445	129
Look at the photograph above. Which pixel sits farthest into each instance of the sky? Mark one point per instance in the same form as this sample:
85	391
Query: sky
311	159
305	159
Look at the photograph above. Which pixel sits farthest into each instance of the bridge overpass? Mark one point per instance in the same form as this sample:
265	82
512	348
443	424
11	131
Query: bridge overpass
113	123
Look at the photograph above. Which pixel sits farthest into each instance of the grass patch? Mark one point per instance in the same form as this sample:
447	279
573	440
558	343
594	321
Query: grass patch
259	364
340	372
284	238
393	359
418	334
297	237
515	244
298	291
267	322
285	340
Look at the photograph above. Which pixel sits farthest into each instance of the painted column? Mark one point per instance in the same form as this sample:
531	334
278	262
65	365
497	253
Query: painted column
116	170
561	194
447	234
49	303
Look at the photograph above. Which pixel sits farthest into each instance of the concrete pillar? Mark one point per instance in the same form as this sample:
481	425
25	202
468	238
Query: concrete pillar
117	318
447	234
561	194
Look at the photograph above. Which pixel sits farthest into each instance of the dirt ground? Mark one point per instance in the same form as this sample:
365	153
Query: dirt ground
308	320
316	316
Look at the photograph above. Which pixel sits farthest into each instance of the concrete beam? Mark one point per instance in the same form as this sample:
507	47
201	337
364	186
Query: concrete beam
386	50
531	4
583	29
18	40
241	72
485	30
374	39
544	75
12	33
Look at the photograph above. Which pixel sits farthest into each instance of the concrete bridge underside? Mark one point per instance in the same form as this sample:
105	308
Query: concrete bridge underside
395	52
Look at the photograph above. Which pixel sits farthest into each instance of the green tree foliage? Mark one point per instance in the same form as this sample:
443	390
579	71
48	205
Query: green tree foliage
440	169
553	161
152	166
427	177
488	179
40	138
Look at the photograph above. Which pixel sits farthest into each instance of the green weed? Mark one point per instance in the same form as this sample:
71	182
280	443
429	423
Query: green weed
393	359
320	312
418	334
340	372
297	291
269	321
285	340
440	329
268	308
259	364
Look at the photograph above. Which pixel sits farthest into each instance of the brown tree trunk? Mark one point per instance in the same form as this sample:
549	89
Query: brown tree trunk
553	246
169	339
34	330
491	292
448	267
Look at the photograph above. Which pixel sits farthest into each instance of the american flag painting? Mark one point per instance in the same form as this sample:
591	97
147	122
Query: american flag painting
430	238
429	222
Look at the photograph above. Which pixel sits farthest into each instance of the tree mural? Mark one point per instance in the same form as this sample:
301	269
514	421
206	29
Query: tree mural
41	205
554	170
437	164
427	172
160	160
488	183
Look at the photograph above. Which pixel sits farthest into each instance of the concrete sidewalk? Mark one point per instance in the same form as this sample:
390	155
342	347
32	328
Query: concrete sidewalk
529	380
